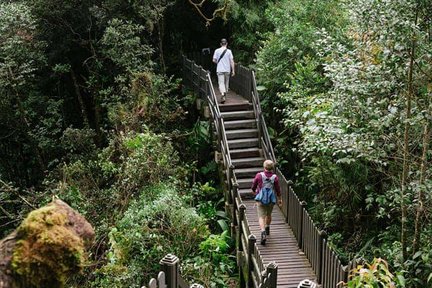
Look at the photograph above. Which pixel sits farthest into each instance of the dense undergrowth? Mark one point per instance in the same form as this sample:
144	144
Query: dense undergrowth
89	116
346	86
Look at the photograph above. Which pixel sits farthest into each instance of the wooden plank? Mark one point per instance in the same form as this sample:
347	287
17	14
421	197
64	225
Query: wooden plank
282	246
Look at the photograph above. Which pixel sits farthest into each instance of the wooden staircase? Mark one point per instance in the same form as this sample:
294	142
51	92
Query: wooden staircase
243	143
298	247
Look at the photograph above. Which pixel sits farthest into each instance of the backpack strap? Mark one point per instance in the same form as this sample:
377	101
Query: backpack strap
223	54
264	177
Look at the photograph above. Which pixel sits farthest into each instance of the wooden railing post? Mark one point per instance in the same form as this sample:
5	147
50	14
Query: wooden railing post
240	248
242	210
300	238
322	236
170	266
196	286
233	208
250	252
230	176
207	86
289	182
271	272
219	123
346	271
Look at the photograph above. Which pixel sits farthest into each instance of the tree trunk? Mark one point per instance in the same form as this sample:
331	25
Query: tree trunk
406	156
161	31
80	99
34	144
420	208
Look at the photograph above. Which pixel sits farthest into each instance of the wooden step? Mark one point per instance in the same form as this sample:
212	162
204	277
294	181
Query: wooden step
242	133
249	123
247	172
238	115
247	162
235	106
246	152
246	193
242	143
245	183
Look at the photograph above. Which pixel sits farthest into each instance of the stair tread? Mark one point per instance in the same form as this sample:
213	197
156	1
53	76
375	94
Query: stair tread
242	130
243	143
243	180
241	104
243	140
248	169
239	121
248	159
237	112
252	149
241	133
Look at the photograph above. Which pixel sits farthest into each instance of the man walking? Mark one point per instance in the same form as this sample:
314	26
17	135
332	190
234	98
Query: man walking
266	189
224	59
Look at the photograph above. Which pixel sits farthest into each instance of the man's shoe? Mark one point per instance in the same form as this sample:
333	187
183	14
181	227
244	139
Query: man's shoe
267	230
263	237
223	98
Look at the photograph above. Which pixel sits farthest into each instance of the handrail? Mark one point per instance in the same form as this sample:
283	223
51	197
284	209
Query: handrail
213	94
225	142
265	136
258	274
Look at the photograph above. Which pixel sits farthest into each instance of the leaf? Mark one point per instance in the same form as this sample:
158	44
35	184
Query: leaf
365	247
221	213
223	224
260	88
417	254
401	280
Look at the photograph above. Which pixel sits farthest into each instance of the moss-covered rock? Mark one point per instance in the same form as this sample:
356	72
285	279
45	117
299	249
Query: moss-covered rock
48	247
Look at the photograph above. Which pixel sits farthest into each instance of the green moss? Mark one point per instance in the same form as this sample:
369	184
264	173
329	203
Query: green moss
48	250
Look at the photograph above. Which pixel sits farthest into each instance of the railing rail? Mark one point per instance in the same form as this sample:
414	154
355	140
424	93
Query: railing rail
241	82
265	137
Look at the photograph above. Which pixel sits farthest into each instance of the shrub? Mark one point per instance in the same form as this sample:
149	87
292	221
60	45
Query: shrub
374	275
156	224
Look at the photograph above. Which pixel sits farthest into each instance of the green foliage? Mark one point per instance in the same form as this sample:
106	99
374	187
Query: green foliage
147	231
213	267
296	24
122	45
87	115
15	204
288	62
118	172
342	83
30	120
374	275
249	27
417	269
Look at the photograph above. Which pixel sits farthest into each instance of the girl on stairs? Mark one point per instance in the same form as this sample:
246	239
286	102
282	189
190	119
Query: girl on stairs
266	189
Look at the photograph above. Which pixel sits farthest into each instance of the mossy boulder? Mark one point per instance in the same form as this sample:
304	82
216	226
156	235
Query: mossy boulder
46	248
